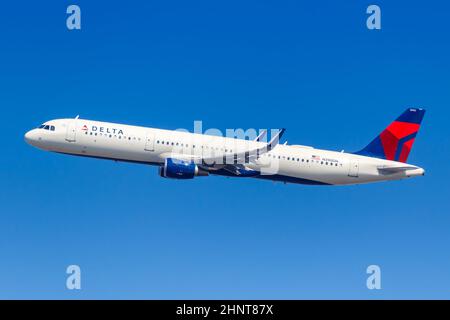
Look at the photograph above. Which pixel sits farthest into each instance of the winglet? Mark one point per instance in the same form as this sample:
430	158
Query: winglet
261	135
275	140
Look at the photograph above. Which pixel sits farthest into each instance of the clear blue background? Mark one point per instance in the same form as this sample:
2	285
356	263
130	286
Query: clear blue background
312	68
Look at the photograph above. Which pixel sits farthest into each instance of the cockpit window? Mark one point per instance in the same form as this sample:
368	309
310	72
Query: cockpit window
47	127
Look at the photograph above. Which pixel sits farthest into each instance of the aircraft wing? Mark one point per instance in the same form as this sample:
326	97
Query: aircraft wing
216	162
243	156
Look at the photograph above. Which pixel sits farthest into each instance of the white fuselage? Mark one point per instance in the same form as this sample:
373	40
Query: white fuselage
286	163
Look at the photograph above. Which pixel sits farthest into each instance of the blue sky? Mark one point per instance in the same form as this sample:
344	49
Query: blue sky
314	69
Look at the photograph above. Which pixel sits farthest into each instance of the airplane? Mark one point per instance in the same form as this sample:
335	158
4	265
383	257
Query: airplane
184	155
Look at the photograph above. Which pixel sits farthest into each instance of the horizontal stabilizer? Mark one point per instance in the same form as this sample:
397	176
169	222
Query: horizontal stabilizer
392	170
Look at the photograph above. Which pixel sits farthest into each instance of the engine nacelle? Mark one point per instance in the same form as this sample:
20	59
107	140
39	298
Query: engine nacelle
180	169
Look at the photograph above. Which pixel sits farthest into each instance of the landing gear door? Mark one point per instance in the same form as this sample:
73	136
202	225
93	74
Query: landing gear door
150	142
353	170
71	133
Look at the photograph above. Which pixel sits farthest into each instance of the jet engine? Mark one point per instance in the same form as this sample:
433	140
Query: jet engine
180	169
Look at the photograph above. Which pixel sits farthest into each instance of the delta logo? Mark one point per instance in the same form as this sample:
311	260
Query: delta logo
106	130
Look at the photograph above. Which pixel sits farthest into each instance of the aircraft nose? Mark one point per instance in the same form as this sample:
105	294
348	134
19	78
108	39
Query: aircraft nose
31	137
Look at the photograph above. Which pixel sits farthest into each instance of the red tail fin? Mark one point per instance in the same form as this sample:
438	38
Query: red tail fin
396	141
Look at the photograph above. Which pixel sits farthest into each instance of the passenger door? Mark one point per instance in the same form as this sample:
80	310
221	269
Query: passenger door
150	142
71	133
353	170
